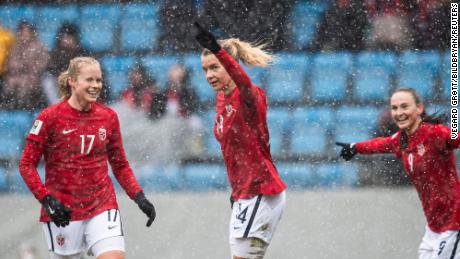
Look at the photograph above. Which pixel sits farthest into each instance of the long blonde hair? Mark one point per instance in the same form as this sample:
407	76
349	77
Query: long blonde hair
72	72
253	54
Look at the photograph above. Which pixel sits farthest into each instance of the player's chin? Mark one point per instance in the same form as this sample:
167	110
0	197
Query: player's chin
402	125
216	88
92	98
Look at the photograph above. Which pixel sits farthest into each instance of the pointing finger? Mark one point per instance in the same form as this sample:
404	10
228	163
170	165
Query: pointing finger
341	144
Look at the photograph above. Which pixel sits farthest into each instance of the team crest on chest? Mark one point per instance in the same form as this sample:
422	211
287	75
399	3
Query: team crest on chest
420	149
102	134
60	240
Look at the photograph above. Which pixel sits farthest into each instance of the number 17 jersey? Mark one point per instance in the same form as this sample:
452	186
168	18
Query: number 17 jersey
76	147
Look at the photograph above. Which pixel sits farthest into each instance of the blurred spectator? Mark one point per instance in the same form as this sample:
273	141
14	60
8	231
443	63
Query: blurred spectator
342	27
25	67
250	20
432	24
182	99
68	46
143	94
390	24
142	135
182	102
7	40
176	17
159	127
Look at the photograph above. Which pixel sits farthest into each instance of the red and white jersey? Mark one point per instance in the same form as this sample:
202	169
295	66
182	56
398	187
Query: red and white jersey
430	163
241	128
76	147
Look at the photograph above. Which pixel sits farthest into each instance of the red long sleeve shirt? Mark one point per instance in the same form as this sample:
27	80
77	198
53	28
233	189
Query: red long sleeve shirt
76	147
241	129
430	163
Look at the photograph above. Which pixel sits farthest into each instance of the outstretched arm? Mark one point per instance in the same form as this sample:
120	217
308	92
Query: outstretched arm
377	145
443	138
372	146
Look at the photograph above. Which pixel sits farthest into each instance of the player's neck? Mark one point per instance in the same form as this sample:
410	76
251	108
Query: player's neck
229	89
411	130
79	105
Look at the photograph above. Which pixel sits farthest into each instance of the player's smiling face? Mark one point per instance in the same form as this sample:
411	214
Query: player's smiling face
406	113
216	75
87	86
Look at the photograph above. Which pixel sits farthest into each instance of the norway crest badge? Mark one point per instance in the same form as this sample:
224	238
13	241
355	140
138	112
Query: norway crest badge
229	109
60	240
102	134
420	149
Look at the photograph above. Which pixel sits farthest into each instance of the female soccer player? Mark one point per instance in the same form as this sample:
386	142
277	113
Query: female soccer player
241	128
426	149
77	136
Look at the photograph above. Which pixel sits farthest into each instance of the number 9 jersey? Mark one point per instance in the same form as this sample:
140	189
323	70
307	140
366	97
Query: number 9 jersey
430	163
76	146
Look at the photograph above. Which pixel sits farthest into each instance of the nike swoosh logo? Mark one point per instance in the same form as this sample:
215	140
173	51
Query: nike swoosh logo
68	131
112	227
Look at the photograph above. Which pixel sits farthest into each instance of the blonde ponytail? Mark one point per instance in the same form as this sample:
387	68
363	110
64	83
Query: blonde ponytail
253	54
64	88
72	72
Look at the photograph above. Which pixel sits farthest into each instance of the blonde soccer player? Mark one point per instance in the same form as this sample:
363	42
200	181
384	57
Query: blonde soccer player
77	137
241	129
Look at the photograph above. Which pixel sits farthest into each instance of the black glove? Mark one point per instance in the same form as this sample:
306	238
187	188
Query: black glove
146	206
232	201
206	39
348	150
57	211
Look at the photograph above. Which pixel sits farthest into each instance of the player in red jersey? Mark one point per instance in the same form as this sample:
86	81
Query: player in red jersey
77	137
426	149
241	129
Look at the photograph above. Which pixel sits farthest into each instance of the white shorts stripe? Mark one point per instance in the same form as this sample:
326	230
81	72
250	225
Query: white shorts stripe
50	236
257	217
253	215
454	251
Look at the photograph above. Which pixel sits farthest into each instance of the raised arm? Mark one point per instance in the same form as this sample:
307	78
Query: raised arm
234	69
236	72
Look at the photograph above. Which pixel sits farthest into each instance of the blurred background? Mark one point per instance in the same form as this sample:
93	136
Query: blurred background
338	62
